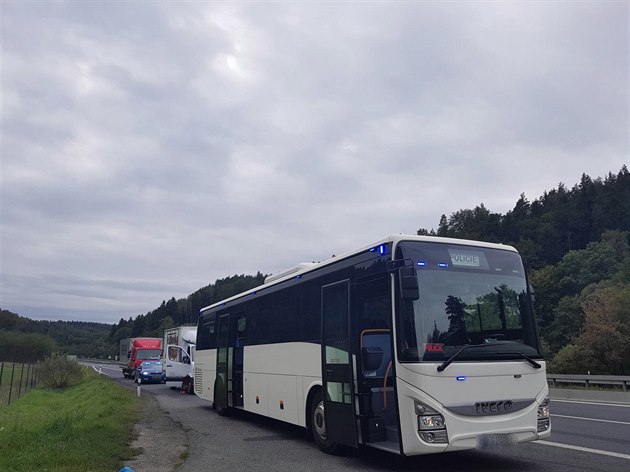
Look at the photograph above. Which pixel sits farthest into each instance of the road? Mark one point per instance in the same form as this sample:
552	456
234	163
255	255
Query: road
586	436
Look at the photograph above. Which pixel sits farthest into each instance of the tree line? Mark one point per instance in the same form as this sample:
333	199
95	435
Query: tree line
26	340
575	244
183	311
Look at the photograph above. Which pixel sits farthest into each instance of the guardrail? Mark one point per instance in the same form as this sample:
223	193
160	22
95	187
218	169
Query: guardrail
589	380
98	361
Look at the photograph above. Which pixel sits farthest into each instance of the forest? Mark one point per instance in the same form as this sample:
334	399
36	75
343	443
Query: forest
575	244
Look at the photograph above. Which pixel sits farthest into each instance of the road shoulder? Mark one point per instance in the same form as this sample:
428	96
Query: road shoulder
163	442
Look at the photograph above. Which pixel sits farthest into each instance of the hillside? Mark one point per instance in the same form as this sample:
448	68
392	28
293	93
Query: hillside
575	244
23	339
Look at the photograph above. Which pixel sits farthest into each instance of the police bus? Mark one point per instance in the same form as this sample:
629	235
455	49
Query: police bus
412	345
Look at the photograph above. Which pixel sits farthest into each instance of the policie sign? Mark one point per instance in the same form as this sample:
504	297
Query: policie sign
468	259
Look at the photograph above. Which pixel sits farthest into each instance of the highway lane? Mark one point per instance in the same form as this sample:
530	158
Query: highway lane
601	426
585	437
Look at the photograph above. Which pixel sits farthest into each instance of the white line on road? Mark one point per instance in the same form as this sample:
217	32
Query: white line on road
585	449
590	419
590	403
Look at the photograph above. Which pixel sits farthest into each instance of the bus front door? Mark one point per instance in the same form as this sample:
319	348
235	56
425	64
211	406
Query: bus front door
337	367
223	366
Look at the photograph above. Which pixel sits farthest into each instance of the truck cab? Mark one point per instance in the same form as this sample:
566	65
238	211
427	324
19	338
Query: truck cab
179	352
133	351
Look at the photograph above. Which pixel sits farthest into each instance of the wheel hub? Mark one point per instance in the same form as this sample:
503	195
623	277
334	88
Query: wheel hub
319	422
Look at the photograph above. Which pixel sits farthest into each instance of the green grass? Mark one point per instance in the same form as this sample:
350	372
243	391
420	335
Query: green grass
86	427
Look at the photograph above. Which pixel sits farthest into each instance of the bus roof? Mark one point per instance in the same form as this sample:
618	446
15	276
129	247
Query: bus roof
307	267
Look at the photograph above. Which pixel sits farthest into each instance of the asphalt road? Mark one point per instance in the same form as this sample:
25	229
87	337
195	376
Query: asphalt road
586	436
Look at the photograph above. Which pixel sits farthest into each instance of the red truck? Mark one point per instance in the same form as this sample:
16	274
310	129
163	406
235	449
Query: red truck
135	350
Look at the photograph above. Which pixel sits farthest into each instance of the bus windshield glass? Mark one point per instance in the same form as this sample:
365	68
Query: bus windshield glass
469	297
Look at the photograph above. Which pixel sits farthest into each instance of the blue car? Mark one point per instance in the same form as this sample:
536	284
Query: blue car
151	372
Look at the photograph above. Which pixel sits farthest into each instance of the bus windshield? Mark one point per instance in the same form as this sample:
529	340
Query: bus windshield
468	296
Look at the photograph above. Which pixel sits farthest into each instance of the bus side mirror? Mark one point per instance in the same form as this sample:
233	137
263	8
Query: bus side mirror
532	295
408	279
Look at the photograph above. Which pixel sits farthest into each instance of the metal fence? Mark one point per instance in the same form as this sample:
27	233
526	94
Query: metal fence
587	381
16	379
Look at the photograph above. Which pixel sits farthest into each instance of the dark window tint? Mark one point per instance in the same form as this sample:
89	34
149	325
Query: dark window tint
206	335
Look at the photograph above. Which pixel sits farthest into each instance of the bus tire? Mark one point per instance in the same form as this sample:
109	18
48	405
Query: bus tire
318	424
222	410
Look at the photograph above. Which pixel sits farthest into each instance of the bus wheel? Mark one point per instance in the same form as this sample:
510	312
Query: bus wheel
222	410
318	425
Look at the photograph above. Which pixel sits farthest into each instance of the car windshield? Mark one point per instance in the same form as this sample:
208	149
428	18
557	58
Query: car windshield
468	296
151	364
149	354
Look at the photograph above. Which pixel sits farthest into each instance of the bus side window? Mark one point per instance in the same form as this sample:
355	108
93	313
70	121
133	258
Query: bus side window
208	335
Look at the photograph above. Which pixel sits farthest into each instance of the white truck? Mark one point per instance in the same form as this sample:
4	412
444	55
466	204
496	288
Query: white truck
179	355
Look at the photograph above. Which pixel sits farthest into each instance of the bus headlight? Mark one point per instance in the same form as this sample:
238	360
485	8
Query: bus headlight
431	424
544	423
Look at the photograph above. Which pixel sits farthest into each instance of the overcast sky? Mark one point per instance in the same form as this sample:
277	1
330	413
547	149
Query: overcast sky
149	148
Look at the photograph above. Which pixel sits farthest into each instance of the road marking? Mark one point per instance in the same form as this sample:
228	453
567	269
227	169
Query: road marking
590	403
591	419
584	449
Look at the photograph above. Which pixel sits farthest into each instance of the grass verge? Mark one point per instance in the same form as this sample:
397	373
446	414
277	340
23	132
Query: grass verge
86	427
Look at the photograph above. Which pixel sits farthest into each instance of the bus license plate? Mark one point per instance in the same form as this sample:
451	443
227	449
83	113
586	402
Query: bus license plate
489	441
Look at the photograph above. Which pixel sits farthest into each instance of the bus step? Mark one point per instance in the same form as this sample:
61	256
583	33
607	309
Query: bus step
392	434
376	431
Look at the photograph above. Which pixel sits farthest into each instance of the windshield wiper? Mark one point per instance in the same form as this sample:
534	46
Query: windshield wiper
448	361
529	360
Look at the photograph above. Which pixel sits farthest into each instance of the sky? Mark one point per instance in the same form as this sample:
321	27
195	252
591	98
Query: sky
149	148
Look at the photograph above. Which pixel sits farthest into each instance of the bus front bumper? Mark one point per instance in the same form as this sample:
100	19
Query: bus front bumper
461	432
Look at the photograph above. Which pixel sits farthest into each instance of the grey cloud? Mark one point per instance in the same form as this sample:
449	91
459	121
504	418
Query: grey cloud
172	145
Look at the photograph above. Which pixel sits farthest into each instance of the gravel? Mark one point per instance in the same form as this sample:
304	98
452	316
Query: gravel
161	441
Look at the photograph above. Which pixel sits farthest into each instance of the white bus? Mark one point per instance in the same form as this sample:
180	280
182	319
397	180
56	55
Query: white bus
412	345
